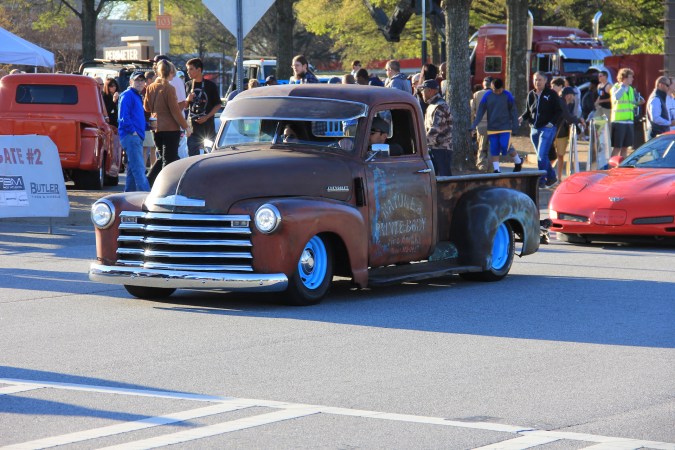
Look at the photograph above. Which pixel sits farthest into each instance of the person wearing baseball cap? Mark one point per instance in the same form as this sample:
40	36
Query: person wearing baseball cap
438	127
131	121
379	132
271	81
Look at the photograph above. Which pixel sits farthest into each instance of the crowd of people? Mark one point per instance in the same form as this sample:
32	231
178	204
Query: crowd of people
162	118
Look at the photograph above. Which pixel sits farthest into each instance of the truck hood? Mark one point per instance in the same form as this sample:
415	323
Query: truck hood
213	183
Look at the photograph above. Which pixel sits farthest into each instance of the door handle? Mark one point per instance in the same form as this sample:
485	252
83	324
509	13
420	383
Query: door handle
424	171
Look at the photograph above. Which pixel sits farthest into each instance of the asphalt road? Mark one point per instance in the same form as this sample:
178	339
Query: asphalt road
574	349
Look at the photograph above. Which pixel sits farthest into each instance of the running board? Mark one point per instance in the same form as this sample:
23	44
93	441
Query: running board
383	276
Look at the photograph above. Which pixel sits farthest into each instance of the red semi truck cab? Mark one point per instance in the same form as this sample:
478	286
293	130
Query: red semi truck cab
559	51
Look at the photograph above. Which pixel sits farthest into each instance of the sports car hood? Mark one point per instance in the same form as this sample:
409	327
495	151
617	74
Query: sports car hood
212	183
621	181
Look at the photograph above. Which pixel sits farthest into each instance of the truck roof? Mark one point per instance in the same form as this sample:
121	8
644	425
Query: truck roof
47	78
369	95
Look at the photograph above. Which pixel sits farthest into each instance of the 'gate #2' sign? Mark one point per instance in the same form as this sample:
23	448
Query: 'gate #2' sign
31	178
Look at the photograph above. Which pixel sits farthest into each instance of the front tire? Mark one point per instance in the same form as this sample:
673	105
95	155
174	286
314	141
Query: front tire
503	251
90	180
148	293
572	238
313	274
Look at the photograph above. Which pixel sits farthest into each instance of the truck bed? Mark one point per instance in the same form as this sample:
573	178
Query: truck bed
450	189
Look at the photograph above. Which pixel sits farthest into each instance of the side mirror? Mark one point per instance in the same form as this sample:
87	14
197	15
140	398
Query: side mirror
378	150
614	161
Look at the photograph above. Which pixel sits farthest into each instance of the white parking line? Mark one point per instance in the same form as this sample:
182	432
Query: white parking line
7	390
219	428
527	437
519	443
127	427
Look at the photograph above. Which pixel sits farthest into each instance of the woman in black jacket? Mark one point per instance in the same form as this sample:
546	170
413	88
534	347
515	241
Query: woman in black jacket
110	96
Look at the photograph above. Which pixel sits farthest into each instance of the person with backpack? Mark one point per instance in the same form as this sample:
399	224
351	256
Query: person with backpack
502	120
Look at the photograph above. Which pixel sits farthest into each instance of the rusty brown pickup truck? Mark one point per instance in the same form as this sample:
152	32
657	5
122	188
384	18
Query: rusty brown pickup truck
293	194
70	110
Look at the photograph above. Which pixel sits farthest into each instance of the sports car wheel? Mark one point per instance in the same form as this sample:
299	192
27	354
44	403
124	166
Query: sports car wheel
148	293
572	238
503	250
313	275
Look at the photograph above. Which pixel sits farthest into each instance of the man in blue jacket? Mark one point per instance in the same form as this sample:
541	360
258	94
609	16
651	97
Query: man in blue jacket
543	112
131	119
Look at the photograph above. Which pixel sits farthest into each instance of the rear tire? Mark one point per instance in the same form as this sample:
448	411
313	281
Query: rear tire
148	293
313	275
503	251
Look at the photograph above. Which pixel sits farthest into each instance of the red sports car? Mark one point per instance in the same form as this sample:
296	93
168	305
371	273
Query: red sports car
635	200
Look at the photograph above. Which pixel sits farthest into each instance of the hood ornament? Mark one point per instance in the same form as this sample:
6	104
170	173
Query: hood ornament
178	200
615	199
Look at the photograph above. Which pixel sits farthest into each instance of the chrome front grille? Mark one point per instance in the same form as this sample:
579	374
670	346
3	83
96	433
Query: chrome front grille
188	242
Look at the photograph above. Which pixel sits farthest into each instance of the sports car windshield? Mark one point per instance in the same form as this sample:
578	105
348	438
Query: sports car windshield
657	153
291	121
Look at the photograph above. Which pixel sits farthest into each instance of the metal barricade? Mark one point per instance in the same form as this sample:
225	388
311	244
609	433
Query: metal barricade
599	149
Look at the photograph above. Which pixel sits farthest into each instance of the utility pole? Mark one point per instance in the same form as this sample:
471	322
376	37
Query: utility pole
163	38
669	25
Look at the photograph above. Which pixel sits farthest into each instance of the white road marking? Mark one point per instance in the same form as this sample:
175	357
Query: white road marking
15	389
519	443
296	410
219	428
128	427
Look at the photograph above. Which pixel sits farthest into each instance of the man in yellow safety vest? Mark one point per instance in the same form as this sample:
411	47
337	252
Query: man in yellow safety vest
624	100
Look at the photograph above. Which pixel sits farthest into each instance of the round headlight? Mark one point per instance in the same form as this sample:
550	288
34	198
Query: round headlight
267	218
102	214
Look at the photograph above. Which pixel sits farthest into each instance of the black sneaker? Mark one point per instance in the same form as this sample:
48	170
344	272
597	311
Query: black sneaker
518	167
551	182
496	171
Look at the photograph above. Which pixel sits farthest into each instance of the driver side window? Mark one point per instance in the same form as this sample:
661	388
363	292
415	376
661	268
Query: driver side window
401	136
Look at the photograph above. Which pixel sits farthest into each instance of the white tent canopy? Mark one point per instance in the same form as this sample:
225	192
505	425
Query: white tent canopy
15	50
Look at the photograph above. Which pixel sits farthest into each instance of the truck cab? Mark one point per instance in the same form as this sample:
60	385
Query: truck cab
558	51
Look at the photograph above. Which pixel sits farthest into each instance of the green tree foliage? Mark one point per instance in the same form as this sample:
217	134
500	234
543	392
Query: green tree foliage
627	26
355	34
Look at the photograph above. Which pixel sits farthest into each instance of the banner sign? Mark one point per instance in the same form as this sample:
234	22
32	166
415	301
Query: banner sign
31	178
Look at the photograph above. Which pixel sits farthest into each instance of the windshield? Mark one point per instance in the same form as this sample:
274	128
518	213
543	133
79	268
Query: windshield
575	65
314	122
657	153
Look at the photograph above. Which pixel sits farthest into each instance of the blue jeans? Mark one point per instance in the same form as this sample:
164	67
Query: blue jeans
542	139
136	179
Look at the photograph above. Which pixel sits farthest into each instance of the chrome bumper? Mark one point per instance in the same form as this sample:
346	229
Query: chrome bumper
137	276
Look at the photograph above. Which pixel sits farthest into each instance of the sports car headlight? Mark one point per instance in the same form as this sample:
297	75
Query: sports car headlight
102	214
267	218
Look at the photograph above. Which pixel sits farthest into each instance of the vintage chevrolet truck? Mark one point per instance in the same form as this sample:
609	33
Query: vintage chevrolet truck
293	193
70	110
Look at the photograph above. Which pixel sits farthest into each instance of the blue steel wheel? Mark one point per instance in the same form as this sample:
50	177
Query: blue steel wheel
503	250
313	274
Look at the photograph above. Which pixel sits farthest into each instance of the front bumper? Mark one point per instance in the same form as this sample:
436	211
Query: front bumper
173	279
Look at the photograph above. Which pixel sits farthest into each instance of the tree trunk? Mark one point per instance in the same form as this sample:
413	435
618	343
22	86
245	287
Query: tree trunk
517	80
88	18
285	24
457	35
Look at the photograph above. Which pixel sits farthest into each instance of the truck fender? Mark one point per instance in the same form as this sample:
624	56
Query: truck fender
479	213
301	219
106	240
90	149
